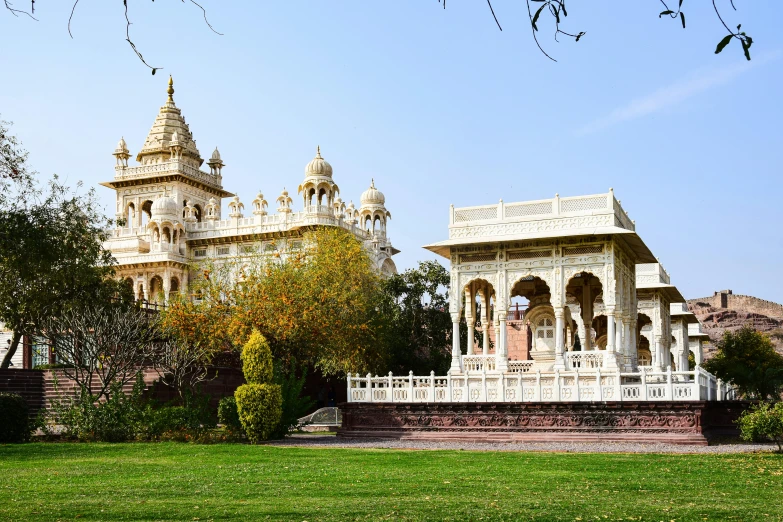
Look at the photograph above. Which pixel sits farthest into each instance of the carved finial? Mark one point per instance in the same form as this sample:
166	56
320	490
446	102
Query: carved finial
611	189
170	90
557	195
372	182
318	152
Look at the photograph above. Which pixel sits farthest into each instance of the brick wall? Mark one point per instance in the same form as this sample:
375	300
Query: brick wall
40	387
27	383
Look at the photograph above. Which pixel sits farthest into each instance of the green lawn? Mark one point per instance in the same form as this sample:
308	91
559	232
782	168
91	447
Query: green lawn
172	481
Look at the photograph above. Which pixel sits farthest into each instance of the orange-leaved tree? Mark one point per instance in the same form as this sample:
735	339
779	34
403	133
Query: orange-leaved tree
200	320
317	307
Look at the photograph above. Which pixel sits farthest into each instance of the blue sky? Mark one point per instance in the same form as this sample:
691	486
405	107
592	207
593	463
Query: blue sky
439	107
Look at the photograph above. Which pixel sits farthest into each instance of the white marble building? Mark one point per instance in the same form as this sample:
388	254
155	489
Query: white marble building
605	321
170	217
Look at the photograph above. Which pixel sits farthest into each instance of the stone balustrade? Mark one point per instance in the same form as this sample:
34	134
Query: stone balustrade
587	360
537	386
167	167
557	207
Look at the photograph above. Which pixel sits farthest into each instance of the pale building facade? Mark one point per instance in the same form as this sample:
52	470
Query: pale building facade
169	212
605	322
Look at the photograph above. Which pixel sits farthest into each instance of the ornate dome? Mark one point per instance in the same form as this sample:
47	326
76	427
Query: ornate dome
122	146
216	155
165	206
373	196
318	166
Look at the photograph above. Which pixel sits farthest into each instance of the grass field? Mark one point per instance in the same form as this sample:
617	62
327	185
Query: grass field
172	481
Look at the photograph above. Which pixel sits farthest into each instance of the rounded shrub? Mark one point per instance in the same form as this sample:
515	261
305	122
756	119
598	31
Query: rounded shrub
257	360
14	418
763	422
260	407
228	415
259	402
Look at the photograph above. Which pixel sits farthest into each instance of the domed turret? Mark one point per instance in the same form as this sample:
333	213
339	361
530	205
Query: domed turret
164	207
318	166
318	190
373	196
122	153
373	214
216	163
213	210
260	205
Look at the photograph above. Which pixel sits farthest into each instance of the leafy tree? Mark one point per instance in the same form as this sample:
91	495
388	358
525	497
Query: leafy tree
52	258
101	345
200	321
763	422
417	330
747	359
317	307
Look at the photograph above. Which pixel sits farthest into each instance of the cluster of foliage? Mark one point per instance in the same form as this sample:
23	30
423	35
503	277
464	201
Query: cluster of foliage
763	422
260	401
51	243
228	415
316	307
125	417
747	360
16	426
417	326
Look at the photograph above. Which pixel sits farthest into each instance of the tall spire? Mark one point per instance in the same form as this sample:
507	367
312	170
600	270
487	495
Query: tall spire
318	151
157	146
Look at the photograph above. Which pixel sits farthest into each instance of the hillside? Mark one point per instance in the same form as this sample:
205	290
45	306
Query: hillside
725	310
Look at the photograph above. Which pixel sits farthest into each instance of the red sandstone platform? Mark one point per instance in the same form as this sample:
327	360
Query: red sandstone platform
673	422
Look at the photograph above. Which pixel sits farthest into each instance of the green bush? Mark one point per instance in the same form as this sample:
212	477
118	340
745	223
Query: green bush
228	415
260	407
259	402
128	417
762	423
14	418
257	360
116	420
295	405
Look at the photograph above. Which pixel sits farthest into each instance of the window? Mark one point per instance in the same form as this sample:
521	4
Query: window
200	253
40	352
545	334
223	251
247	249
546	329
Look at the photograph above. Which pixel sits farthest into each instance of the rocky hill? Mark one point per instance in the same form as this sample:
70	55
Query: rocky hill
725	310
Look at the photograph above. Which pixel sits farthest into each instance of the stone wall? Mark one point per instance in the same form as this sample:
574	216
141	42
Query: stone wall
41	387
675	422
726	311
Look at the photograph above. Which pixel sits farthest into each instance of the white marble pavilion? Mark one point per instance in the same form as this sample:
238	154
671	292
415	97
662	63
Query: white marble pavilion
605	321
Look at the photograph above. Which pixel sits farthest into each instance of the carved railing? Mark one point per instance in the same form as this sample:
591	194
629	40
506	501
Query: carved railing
589	360
520	366
604	204
175	166
568	386
478	363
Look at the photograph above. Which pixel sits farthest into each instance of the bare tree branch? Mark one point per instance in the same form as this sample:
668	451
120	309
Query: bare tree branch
17	12
71	17
205	16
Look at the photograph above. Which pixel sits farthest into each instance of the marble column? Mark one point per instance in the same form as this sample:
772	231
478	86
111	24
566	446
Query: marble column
470	308
456	354
559	339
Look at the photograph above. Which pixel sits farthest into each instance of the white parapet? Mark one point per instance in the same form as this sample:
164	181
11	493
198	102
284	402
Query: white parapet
520	384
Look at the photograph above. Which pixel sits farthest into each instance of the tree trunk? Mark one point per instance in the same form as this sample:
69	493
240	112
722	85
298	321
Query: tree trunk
11	350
